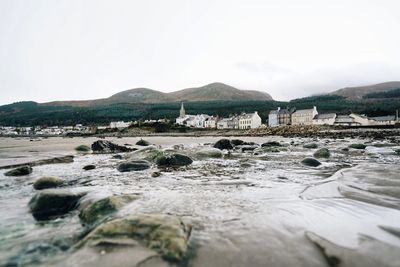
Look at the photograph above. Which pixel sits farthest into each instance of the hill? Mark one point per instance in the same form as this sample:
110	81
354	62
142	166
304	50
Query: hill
210	92
360	91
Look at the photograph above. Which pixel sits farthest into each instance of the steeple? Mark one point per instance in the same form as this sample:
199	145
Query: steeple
182	112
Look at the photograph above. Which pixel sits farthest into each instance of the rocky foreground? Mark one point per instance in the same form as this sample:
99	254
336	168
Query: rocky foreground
230	202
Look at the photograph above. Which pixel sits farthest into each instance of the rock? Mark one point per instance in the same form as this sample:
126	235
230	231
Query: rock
311	145
322	153
271	144
149	153
117	156
82	148
155	174
166	234
104	146
20	171
89	167
142	142
223	144
134	165
345	149
53	202
397	151
209	152
174	160
47	182
248	148
311	162
237	142
56	160
357	146
92	211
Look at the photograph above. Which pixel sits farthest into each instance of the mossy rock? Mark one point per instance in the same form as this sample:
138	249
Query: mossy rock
311	162
155	174
209	152
142	142
93	211
49	203
357	146
166	234
134	165
311	145
82	148
174	160
322	153
20	171
47	182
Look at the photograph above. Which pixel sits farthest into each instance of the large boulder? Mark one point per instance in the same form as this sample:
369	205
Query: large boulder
223	144
20	171
357	146
149	153
49	203
322	153
104	146
237	142
134	165
209	152
92	211
47	182
166	234
174	160
311	162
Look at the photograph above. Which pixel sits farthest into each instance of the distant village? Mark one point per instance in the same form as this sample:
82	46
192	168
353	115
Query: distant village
278	117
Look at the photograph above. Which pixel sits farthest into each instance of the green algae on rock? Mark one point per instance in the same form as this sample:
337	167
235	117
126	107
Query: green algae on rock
166	234
93	211
20	171
47	182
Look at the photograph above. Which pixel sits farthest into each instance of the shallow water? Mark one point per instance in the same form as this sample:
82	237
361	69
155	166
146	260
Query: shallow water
246	209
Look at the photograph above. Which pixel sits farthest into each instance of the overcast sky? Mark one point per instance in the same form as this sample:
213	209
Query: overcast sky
86	49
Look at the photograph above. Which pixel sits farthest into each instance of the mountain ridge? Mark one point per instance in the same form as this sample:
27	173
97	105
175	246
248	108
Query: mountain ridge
210	92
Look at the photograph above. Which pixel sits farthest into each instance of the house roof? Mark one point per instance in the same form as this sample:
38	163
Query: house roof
247	116
325	116
384	118
303	111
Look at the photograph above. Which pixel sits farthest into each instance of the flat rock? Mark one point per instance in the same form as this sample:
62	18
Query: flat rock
134	165
357	146
142	142
311	145
271	144
166	234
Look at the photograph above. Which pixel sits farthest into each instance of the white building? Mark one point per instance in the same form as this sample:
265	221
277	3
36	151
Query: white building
249	120
304	116
223	123
324	119
211	122
120	124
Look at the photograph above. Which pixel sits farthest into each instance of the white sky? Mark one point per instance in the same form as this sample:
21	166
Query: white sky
86	49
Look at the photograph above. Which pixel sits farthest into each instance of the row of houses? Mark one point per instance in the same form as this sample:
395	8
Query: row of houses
39	130
312	117
242	121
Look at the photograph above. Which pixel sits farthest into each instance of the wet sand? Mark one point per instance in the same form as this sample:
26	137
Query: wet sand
247	209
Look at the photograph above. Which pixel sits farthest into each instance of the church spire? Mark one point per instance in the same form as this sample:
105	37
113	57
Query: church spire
182	112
